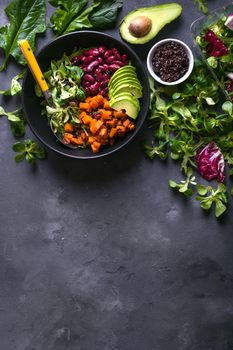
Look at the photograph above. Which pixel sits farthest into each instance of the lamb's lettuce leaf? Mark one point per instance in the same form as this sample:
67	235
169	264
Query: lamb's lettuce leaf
26	20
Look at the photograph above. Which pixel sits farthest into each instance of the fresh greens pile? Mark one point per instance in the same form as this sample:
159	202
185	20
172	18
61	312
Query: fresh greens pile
183	122
27	19
72	15
64	81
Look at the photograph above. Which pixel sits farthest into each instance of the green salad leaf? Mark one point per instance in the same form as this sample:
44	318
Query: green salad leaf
27	19
16	120
15	88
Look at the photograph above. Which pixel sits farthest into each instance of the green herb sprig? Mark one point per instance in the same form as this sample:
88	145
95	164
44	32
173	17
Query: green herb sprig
28	150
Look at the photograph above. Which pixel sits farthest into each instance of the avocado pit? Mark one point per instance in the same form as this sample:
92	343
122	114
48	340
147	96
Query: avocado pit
140	26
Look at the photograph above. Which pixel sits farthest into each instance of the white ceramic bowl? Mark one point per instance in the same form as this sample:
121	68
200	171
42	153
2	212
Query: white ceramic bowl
150	66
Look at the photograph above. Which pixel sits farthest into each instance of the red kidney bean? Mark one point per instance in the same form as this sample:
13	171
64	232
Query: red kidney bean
89	78
102	49
105	76
92	66
100	59
104	91
120	63
94	88
101	67
114	67
99	76
97	70
86	84
94	52
87	59
104	83
110	59
107	53
105	66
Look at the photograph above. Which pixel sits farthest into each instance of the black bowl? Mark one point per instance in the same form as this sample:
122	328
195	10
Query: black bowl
54	51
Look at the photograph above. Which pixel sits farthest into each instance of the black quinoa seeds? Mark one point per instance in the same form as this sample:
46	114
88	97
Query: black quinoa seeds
170	61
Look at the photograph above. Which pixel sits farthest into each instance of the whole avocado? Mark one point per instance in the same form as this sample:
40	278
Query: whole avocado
142	25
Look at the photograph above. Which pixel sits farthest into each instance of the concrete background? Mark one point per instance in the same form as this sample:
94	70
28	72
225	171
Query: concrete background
101	254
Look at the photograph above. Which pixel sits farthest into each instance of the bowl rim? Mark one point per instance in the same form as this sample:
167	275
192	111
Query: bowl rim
122	142
155	76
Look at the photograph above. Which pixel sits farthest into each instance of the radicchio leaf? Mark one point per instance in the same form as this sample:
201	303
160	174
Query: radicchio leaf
210	162
215	47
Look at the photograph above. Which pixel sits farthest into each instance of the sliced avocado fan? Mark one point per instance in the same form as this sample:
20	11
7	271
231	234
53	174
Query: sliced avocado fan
142	25
124	91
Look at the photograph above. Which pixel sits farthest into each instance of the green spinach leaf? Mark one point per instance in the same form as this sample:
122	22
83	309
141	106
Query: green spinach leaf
70	15
27	19
106	13
65	13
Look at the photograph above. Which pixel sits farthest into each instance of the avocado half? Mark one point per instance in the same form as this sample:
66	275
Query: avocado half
143	24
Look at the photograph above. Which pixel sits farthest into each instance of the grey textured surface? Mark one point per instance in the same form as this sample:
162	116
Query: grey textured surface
100	255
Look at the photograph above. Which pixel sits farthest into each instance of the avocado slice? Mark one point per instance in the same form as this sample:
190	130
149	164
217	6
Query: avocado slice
143	24
117	80
128	103
123	71
127	79
134	88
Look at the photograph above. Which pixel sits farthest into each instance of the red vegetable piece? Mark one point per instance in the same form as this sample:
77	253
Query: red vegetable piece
215	47
210	162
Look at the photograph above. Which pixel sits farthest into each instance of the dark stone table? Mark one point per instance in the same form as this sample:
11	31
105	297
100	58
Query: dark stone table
100	255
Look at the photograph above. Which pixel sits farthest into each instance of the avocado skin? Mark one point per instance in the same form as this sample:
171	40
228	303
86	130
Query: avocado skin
160	15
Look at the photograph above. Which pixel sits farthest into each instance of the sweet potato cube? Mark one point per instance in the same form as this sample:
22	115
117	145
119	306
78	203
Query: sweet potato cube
113	132
95	146
68	127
